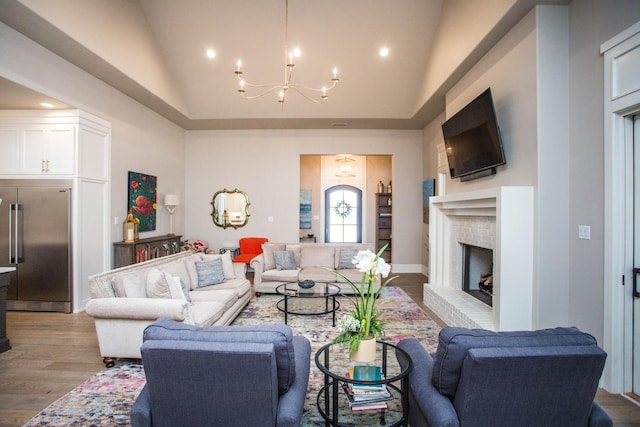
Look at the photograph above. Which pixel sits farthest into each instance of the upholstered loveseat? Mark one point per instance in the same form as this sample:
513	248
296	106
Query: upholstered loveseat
290	262
196	289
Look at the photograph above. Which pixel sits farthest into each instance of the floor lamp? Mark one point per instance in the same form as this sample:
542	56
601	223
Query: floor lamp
170	202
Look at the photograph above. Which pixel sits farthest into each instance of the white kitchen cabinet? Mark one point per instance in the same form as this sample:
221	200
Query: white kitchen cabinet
51	144
10	137
48	149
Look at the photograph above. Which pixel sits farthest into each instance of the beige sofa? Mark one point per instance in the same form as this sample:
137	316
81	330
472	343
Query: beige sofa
313	261
124	301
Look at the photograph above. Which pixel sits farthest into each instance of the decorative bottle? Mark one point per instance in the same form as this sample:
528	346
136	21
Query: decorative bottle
389	188
380	187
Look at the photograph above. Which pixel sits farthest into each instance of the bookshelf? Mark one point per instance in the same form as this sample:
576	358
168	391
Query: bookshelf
383	224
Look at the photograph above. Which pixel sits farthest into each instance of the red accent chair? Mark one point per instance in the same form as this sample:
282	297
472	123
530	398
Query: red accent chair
250	247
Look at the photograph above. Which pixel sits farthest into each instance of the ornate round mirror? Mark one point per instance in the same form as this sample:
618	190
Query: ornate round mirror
230	208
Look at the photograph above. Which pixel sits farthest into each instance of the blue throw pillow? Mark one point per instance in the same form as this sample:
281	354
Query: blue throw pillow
346	259
454	344
279	335
285	260
209	272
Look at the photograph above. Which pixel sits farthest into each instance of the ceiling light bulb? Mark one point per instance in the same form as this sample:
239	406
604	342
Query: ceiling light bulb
384	52
211	53
297	52
46	105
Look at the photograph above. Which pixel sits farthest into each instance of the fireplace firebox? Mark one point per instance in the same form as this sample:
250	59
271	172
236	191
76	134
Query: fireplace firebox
477	272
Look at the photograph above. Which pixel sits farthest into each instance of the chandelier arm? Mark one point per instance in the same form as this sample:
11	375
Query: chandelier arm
320	101
271	89
326	89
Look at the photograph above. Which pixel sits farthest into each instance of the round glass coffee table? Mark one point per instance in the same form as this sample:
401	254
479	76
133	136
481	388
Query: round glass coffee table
335	363
319	290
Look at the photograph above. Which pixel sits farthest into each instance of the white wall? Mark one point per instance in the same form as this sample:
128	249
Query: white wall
141	140
529	74
591	23
266	164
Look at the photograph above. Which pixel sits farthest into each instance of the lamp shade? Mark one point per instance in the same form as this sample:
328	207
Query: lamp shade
171	200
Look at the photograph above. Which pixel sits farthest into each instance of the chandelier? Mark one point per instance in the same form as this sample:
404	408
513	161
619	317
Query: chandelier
345	167
312	94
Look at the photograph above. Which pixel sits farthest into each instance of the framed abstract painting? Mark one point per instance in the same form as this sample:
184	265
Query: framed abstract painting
142	199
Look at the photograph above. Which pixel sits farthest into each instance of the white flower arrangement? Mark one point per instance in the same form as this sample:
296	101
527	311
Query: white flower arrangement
363	322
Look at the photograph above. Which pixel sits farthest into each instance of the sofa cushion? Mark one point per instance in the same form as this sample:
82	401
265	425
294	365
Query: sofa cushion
130	285
281	275
317	256
285	260
226	297
190	265
278	334
352	274
268	250
239	286
317	274
178	268
344	258
454	343
209	272
205	313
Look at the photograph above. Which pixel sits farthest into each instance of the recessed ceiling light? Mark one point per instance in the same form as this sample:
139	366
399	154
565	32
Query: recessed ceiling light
46	105
384	51
211	53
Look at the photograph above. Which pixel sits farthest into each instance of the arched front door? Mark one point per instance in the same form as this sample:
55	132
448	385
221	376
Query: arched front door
343	214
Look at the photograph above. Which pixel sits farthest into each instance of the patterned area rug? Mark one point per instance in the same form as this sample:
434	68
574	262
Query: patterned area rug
106	398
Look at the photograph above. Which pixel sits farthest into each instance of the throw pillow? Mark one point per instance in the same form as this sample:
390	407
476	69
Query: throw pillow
346	259
183	288
227	264
158	284
285	260
209	272
130	285
268	250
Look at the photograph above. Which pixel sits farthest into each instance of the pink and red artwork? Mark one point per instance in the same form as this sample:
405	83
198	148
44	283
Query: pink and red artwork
142	199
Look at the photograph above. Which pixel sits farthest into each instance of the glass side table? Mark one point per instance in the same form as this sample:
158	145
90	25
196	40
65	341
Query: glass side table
334	362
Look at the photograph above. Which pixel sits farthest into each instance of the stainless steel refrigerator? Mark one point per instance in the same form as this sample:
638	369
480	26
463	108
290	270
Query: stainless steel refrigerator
35	238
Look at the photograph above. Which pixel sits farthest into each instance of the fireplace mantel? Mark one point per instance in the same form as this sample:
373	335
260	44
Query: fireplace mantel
512	208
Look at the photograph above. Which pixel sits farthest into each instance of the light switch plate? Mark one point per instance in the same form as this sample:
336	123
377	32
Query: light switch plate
584	232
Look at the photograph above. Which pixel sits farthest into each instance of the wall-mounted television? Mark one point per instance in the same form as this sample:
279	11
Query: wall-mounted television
472	140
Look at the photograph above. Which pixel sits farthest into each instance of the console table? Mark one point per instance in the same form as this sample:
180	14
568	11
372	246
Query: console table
145	249
4	284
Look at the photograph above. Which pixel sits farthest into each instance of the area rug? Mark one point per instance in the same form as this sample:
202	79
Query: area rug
107	397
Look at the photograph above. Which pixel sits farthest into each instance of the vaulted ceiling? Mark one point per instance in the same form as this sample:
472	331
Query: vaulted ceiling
155	52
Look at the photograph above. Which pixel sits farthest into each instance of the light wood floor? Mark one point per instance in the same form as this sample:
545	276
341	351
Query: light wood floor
52	353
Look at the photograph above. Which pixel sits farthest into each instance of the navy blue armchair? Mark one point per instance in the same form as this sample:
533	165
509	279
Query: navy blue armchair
522	378
222	375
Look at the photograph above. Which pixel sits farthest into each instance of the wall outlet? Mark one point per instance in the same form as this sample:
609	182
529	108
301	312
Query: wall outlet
584	232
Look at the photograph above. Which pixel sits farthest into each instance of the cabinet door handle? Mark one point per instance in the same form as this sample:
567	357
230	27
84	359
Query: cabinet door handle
42	168
47	163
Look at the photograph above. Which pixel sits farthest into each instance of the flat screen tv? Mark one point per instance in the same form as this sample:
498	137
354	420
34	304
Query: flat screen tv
472	140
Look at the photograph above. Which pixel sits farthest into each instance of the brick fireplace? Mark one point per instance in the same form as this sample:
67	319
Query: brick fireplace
499	219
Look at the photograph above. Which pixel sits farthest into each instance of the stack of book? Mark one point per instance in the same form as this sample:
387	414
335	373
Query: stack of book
364	397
